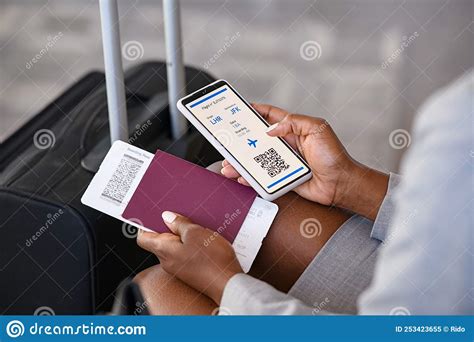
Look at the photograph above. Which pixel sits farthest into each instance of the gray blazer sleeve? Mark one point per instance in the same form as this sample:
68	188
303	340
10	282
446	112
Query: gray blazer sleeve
245	295
425	265
385	214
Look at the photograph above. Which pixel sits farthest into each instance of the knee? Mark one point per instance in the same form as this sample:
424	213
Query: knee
164	294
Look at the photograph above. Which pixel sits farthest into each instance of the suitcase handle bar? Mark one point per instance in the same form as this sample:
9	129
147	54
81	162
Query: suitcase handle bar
110	22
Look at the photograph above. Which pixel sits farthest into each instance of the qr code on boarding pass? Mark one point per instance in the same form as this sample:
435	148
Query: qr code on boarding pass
120	182
271	162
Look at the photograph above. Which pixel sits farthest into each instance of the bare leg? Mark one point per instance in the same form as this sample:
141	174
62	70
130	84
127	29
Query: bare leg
284	255
286	252
166	295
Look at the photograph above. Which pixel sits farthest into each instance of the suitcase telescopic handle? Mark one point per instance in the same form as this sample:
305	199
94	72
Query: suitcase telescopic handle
114	78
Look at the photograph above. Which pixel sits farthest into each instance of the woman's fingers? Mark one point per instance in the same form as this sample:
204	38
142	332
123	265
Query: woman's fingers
270	113
230	172
299	125
242	181
179	224
155	243
274	115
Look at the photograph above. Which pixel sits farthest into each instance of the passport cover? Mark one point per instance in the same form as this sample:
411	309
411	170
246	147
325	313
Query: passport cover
208	199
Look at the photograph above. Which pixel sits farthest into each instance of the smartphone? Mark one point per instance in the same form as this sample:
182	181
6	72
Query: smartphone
237	131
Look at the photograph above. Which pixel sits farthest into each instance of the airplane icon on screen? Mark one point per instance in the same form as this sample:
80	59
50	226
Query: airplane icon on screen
251	142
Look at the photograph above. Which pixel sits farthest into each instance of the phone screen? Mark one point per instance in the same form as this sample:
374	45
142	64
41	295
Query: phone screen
241	131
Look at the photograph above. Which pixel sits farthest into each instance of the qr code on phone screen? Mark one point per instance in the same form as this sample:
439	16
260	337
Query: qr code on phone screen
120	182
271	162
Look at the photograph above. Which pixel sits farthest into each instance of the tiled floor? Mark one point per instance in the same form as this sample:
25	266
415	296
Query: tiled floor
265	56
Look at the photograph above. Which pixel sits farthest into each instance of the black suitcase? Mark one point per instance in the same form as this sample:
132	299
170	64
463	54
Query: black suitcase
57	255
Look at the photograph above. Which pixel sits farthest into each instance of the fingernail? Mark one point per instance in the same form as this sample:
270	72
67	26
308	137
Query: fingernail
223	169
223	163
168	216
271	128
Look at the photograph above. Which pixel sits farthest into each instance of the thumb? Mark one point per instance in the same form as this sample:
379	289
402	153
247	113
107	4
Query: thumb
297	124
178	224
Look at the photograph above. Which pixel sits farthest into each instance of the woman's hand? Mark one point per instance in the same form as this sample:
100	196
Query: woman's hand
337	178
315	140
198	256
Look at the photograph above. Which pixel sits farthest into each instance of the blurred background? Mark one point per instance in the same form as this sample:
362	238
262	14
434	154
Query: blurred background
365	66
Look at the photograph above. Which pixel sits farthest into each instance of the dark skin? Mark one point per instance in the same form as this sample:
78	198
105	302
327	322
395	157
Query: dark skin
284	255
338	181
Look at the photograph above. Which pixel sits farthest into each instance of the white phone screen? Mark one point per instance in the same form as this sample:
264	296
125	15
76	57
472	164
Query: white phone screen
242	133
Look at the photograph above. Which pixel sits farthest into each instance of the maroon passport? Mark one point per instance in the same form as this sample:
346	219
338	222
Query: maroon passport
209	199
